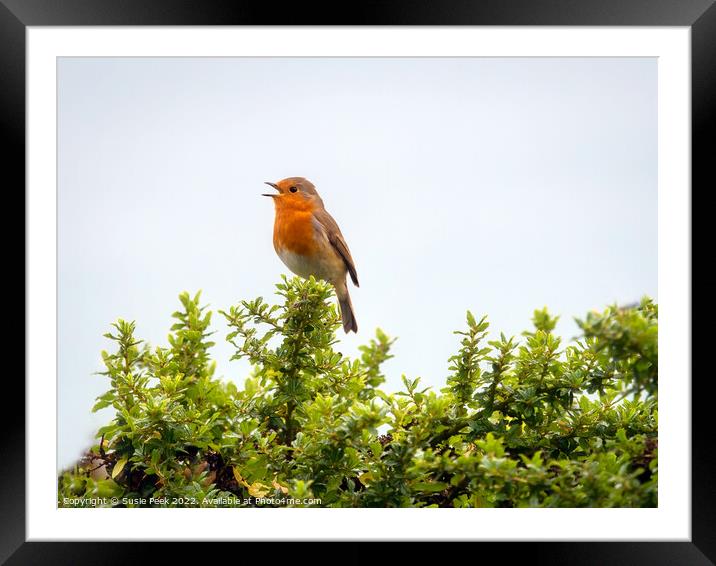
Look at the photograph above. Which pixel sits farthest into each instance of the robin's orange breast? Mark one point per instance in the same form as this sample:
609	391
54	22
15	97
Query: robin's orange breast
294	231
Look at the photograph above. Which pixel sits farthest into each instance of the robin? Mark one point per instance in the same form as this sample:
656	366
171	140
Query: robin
309	242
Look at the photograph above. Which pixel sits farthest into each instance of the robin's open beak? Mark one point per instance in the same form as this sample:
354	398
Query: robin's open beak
275	186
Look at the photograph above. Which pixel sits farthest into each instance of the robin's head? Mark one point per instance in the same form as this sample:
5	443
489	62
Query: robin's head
295	191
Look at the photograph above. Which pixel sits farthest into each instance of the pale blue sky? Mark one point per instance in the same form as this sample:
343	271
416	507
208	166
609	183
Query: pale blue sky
495	184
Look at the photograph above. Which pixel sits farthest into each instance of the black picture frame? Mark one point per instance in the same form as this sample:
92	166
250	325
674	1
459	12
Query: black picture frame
17	15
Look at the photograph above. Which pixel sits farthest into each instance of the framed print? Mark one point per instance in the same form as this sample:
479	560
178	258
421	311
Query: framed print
304	280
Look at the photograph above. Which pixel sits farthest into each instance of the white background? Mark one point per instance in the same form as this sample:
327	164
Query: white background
219	188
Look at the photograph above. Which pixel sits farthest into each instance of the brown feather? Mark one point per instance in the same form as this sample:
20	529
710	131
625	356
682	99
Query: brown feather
336	239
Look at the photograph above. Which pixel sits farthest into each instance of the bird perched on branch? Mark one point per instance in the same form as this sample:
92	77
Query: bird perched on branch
309	242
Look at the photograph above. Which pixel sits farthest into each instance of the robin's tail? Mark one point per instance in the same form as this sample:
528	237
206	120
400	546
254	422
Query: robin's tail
344	300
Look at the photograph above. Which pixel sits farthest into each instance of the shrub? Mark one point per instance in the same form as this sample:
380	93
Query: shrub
520	422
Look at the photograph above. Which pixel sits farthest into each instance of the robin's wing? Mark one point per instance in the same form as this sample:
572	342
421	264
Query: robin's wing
336	239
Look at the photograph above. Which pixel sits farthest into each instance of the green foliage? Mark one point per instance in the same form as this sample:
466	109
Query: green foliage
520	423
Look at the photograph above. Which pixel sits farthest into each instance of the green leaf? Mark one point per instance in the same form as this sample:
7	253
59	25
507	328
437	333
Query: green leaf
429	487
118	467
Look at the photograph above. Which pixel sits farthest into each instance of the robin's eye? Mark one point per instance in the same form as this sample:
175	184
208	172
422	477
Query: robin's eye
293	189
